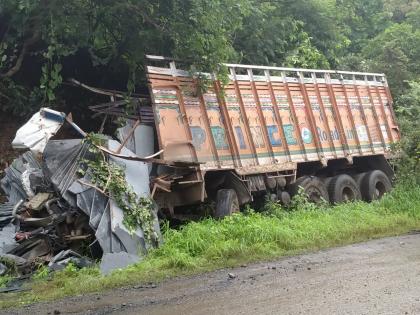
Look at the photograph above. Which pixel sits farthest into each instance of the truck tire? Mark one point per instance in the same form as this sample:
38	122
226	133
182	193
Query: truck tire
358	179
343	188
312	186
226	203
374	185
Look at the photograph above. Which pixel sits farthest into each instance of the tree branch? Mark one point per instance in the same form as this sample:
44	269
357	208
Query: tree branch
29	42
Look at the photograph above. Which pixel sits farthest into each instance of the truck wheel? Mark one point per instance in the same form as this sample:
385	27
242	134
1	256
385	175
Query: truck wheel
374	185
312	186
358	179
227	203
343	188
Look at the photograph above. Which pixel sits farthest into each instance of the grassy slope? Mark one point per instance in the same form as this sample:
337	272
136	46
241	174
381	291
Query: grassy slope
210	244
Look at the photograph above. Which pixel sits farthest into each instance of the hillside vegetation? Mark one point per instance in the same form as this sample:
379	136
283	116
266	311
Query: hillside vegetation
103	43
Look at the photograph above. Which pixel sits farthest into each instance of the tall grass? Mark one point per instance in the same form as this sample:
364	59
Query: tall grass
241	238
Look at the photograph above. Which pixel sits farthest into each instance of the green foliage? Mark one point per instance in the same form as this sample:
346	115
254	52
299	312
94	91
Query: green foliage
4	280
110	178
42	273
42	43
408	110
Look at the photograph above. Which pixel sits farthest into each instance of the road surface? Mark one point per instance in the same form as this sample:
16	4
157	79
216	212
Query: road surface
376	277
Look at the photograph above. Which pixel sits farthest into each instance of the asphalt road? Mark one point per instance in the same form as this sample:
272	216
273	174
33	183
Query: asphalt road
376	277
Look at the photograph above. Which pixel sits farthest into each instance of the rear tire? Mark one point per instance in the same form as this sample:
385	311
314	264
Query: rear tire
227	203
374	185
343	188
313	187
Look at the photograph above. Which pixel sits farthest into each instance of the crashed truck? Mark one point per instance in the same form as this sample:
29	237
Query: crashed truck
269	132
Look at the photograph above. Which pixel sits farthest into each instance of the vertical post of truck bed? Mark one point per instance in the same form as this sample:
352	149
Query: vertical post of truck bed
182	109
294	116
362	111
388	129
323	112
375	114
277	114
390	100
261	114
350	112
227	123
208	129
336	114
310	114
244	115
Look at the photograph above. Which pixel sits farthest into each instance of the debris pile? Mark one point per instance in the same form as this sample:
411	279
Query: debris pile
59	210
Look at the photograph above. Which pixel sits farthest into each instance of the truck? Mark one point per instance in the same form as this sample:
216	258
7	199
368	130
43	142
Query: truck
270	132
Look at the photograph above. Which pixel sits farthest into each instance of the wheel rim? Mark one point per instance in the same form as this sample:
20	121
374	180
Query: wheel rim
348	194
235	205
380	189
314	195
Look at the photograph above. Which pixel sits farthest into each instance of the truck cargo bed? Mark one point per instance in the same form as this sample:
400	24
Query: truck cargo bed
268	119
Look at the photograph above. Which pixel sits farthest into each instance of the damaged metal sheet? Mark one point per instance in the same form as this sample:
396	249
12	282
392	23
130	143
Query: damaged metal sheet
62	160
35	134
7	238
53	214
15	183
113	261
43	125
141	142
63	258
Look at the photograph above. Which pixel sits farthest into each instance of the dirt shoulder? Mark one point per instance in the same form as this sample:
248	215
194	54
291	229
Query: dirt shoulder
376	277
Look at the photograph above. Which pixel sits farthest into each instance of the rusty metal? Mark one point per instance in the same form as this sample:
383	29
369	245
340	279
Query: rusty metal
277	114
118	109
261	169
350	112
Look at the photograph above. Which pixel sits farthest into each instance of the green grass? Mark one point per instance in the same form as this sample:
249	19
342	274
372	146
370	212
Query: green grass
242	238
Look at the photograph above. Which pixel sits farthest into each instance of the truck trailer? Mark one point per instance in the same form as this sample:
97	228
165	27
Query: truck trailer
270	131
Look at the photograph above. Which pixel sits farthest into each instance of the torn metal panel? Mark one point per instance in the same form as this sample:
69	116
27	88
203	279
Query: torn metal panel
107	240
141	142
132	243
113	261
35	134
62	160
7	238
63	258
136	173
13	183
92	202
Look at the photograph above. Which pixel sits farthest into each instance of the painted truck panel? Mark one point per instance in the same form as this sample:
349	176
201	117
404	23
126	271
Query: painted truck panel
270	118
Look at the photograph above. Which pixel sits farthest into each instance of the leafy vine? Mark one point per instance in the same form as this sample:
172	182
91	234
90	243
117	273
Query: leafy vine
110	178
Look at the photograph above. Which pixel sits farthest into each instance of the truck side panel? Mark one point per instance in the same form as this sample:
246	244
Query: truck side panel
273	120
